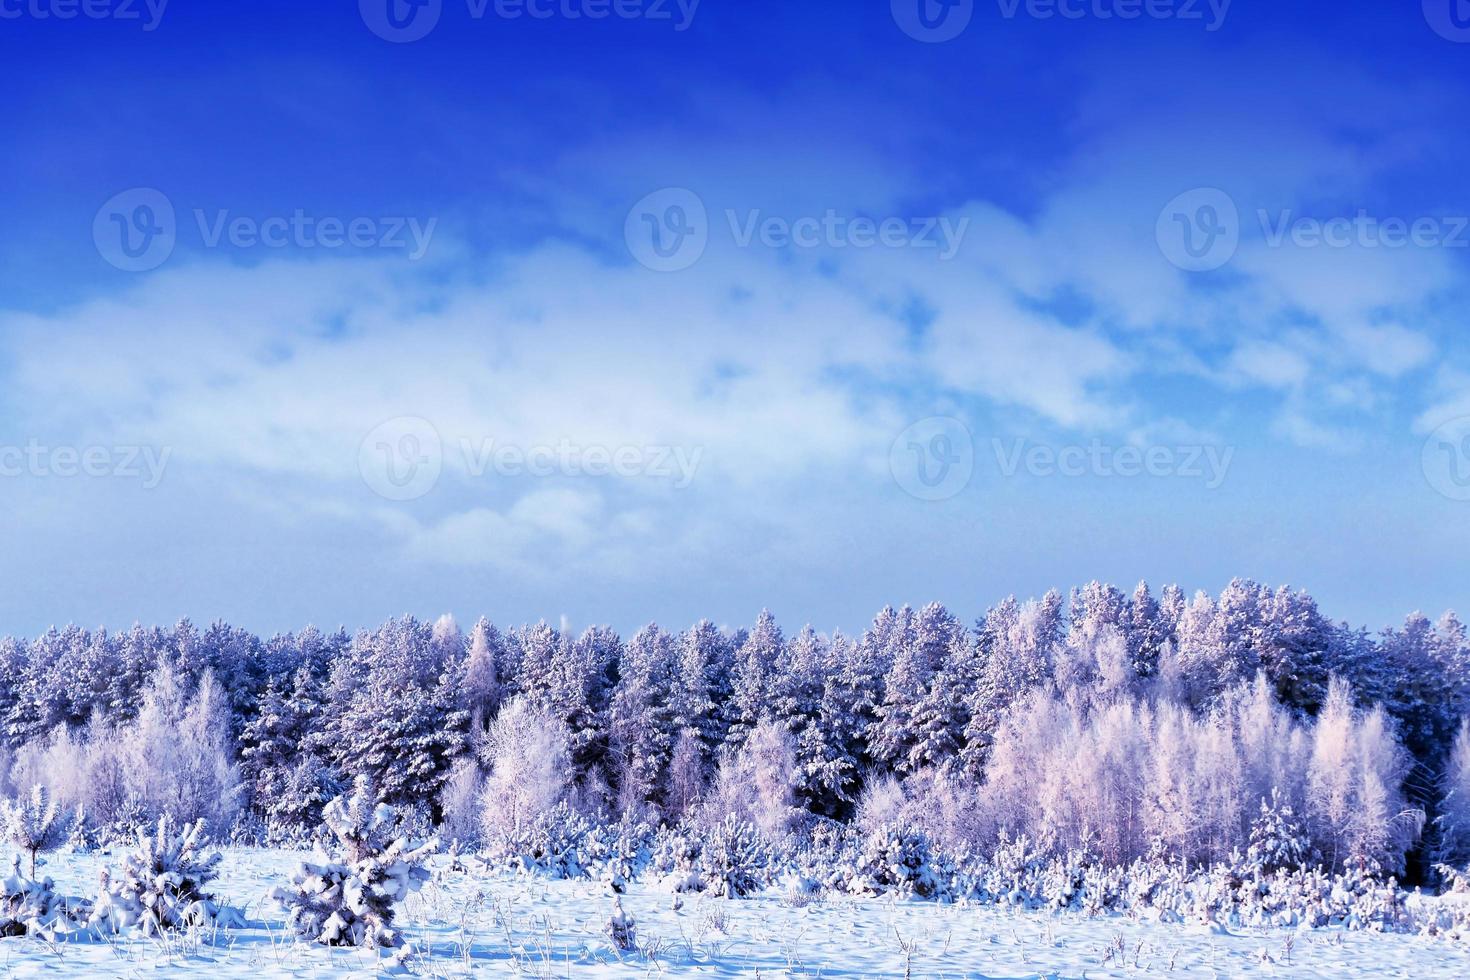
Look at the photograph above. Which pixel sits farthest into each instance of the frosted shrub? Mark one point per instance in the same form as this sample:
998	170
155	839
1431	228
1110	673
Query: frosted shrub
1278	839
161	884
734	860
35	824
558	844
675	857
29	907
894	861
347	897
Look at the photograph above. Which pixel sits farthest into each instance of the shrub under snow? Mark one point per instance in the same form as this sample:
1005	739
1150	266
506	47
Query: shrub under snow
29	907
348	896
734	859
161	884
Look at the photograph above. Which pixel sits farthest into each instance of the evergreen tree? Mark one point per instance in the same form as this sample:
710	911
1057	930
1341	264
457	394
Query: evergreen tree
921	717
641	723
756	664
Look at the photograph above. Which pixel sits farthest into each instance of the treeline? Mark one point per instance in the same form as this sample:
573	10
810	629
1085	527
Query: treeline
1121	724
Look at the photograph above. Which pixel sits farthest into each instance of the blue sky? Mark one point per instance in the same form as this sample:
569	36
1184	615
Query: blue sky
285	426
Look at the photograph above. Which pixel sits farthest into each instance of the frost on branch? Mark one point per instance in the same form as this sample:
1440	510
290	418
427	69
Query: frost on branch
161	885
347	897
35	825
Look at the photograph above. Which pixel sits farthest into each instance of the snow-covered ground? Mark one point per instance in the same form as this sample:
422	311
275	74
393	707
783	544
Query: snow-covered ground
493	925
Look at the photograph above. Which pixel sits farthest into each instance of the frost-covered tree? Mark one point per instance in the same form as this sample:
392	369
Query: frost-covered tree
1354	786
688	775
528	765
1453	823
177	755
756	782
35	824
349	893
479	681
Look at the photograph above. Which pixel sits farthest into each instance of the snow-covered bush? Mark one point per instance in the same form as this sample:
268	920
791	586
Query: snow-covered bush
734	860
674	857
559	843
30	907
892	860
1278	839
348	895
622	850
35	824
161	884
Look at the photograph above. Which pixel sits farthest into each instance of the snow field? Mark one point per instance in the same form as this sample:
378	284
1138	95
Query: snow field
492	925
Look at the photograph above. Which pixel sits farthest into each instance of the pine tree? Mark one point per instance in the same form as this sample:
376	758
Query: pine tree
833	747
920	717
1145	631
348	895
1017	647
756	665
1293	649
1278	840
393	713
641	723
35	824
161	884
702	682
279	758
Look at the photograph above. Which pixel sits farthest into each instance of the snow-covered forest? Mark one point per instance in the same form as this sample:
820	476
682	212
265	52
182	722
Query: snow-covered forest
1113	725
